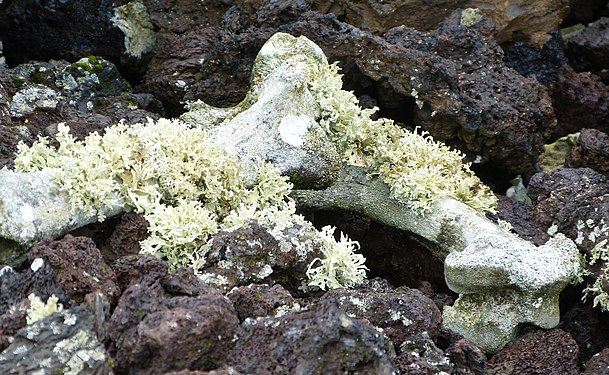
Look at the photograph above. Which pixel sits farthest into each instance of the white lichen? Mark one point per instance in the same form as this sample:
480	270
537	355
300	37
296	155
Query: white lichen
340	267
39	310
418	170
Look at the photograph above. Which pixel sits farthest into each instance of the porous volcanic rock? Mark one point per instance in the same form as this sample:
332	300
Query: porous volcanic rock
537	352
588	46
588	326
466	358
580	100
322	339
591	151
79	267
598	364
451	81
87	95
566	196
258	300
64	342
156	328
403	314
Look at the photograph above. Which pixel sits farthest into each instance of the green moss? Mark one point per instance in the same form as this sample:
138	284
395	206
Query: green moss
17	81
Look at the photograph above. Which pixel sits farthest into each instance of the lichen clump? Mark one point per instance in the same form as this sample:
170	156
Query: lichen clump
39	310
418	170
187	188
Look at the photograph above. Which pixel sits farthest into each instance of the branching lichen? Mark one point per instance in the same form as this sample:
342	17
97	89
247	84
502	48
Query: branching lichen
419	170
187	188
39	310
340	267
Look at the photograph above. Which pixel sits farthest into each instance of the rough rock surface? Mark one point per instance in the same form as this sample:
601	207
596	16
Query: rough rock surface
598	364
466	358
403	314
126	237
322	339
65	342
588	46
30	30
259	300
588	326
538	352
88	95
579	99
79	267
425	78
566	196
157	327
283	258
591	151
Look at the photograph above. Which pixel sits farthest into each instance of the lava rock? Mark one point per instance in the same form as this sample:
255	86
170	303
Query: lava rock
591	151
403	314
566	196
152	330
466	358
588	46
79	267
538	352
126	237
64	342
322	339
598	364
259	300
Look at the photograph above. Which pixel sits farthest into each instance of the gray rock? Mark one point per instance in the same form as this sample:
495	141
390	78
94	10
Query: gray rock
276	122
63	342
321	340
504	280
32	208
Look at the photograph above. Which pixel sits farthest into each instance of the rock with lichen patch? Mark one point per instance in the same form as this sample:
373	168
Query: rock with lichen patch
64	342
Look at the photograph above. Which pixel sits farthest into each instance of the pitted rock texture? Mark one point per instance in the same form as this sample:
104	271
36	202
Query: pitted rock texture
241	260
79	267
466	358
566	196
403	314
322	339
591	151
417	77
64	342
598	364
588	46
88	95
538	352
157	327
259	300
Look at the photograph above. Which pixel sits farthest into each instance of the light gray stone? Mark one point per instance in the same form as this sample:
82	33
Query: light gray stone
32	207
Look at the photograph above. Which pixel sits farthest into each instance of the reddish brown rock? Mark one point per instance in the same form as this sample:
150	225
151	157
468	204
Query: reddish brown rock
403	314
591	151
566	196
258	300
79	267
126	237
551	352
322	340
466	358
598	364
158	327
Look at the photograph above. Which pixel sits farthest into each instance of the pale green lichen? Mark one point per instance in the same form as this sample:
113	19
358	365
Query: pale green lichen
341	266
187	188
39	310
599	236
133	19
418	170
